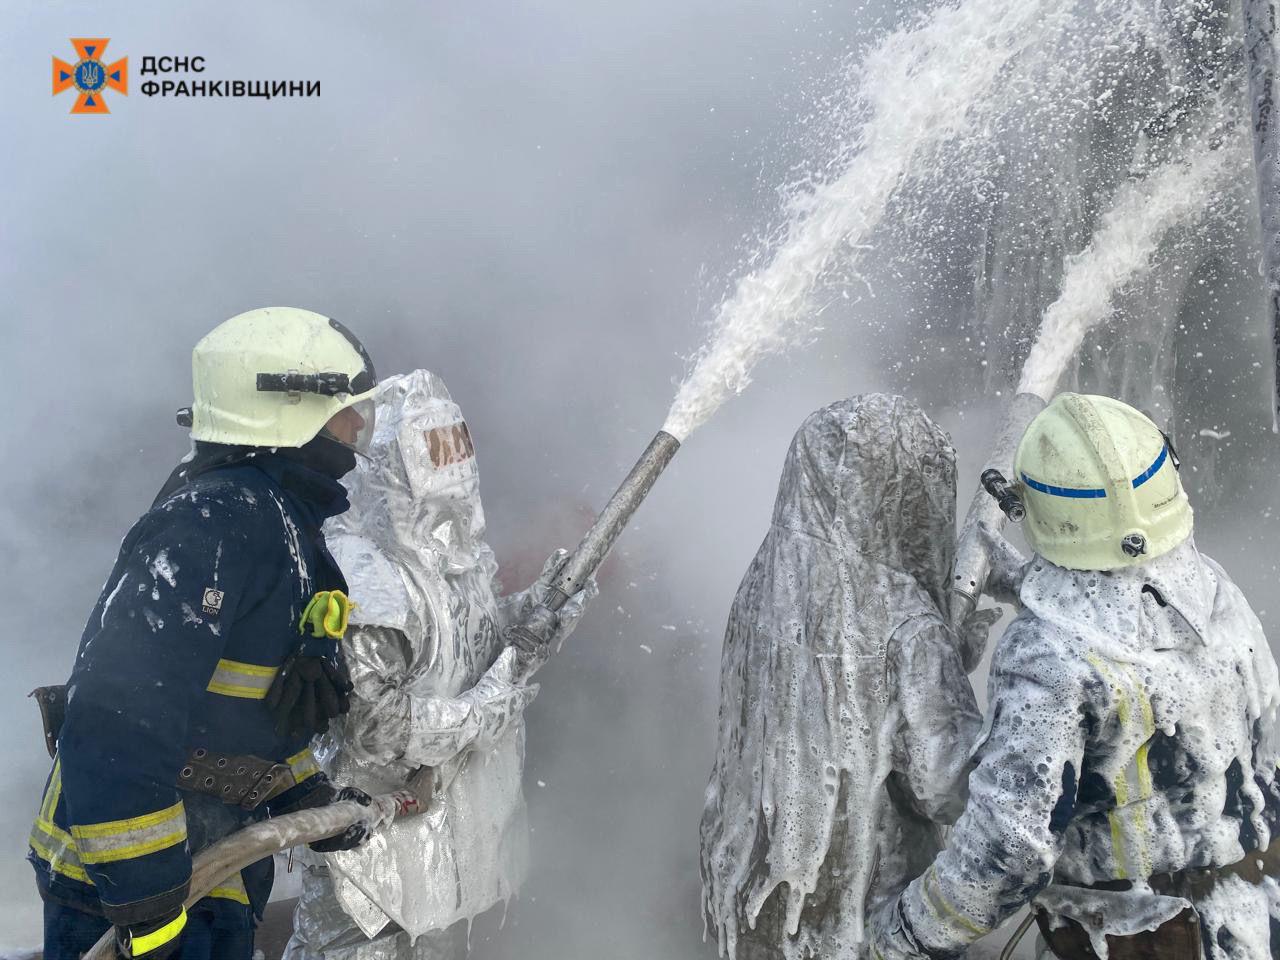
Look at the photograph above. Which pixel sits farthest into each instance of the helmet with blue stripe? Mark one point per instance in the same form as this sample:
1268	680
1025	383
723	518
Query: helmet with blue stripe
1100	483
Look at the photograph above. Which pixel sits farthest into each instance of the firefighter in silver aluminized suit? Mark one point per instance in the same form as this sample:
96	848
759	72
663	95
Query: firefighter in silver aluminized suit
436	685
846	715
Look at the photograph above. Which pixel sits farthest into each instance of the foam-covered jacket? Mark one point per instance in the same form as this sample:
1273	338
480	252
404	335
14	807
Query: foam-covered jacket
846	716
1132	732
434	687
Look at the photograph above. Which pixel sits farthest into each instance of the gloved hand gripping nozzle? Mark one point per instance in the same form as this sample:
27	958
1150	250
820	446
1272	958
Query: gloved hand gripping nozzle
574	576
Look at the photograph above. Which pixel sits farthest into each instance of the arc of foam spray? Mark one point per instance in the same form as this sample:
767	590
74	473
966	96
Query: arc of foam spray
921	85
1121	250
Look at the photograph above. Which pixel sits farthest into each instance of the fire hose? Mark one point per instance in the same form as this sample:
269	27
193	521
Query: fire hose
213	865
991	507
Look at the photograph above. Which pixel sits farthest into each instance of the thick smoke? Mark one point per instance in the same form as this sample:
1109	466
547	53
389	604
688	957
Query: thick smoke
540	204
525	199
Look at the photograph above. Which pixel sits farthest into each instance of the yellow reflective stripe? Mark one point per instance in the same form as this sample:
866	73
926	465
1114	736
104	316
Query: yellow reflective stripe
1146	786
248	669
50	842
232	690
944	909
249	681
60	864
158	938
115	828
303	764
53	792
231	889
58	850
135	850
134	837
1117	844
1142	776
1133	783
56	833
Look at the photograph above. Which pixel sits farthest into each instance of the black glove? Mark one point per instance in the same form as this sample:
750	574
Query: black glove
326	794
152	939
307	693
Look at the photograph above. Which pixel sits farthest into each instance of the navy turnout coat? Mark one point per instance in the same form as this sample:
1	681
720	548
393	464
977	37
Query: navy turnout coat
196	618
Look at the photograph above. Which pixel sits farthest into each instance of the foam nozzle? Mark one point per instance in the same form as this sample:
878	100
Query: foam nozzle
613	519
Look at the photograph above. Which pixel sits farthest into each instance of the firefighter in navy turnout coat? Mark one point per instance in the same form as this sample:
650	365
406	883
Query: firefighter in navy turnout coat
211	657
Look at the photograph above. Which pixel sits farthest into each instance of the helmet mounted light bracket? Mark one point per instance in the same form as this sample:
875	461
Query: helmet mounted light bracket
1133	544
326	383
1006	494
273	376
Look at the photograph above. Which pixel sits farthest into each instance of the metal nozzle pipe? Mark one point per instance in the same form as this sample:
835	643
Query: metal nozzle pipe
972	564
613	519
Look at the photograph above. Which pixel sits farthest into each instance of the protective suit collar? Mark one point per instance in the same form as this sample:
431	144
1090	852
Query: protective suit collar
311	472
298	474
1122	607
316	489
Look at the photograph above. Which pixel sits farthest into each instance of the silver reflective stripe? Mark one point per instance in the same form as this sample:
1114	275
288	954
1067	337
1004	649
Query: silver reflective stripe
231	889
249	681
135	837
56	848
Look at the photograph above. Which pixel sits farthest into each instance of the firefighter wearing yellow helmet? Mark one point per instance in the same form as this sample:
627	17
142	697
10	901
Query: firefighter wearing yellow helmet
212	656
1100	484
1127	789
275	377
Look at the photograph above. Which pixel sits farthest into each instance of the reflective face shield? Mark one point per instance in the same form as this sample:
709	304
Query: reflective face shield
353	425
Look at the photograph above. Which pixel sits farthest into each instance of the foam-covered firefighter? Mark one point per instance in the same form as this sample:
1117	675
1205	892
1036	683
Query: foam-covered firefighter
846	713
1127	785
211	657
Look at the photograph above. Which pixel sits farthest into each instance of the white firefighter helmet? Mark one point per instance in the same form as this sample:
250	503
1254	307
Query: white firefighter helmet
273	377
1100	483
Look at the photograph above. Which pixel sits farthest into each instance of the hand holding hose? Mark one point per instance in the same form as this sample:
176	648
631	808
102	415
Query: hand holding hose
537	629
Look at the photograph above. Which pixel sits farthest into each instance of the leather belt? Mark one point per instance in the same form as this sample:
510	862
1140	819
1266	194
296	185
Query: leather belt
246	781
1198	882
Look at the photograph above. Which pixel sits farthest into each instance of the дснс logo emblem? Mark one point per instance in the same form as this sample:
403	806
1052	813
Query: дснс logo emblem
90	75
